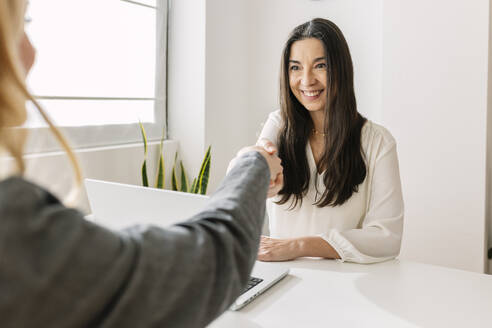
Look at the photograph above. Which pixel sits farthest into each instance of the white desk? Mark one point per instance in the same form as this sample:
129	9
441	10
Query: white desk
325	293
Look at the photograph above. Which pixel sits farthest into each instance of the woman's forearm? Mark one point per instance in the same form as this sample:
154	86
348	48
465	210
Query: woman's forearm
314	246
274	249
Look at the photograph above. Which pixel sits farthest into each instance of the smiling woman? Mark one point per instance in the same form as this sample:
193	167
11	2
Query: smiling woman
341	195
317	71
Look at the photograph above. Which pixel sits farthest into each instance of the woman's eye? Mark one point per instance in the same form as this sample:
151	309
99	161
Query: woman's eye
321	65
294	68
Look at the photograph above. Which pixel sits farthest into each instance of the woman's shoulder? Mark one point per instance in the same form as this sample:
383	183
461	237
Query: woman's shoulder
16	184
19	194
375	133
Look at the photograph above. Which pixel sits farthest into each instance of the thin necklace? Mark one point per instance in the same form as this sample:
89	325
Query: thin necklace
321	134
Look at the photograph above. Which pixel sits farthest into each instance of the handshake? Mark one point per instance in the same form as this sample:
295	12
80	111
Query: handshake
269	151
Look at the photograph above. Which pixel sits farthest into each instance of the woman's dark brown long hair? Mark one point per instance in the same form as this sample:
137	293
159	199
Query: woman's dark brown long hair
342	158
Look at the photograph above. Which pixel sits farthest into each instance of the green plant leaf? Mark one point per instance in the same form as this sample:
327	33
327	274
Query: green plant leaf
160	181
145	179
161	169
194	187
144	137
174	179
203	176
184	178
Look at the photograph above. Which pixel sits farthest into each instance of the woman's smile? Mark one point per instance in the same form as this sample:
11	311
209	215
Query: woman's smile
311	95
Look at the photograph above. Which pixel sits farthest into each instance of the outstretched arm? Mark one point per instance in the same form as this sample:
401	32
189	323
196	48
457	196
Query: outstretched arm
61	270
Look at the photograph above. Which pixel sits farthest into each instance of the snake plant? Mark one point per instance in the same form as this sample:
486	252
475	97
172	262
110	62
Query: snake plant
184	178
200	183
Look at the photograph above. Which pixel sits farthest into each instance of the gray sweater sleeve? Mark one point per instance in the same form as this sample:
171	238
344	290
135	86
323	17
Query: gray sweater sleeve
59	270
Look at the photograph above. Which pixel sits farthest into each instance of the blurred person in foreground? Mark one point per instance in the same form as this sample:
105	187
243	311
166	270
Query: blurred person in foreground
59	270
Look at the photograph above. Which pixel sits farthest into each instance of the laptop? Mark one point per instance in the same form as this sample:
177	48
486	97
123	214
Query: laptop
117	205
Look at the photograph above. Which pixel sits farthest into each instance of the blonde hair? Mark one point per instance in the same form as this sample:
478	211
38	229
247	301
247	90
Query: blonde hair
14	93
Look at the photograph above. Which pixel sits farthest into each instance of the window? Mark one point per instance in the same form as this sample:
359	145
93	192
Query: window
100	69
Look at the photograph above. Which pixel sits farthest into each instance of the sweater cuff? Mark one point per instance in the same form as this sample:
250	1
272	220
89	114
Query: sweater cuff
251	156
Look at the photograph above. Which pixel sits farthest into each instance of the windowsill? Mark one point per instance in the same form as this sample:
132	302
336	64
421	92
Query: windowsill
82	150
41	140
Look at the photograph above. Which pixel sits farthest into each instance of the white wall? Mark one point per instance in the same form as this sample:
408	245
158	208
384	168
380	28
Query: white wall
186	80
435	64
228	88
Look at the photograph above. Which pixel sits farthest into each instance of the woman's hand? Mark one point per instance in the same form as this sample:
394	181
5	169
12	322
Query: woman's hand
274	163
272	249
277	184
269	151
267	145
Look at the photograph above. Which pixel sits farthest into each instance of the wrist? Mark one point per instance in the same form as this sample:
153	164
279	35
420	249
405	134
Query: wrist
262	152
313	246
298	246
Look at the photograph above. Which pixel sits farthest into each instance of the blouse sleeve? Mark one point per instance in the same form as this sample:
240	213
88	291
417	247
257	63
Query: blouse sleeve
271	127
379	238
269	131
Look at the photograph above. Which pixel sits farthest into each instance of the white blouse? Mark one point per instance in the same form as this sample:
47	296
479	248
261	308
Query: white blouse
368	227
